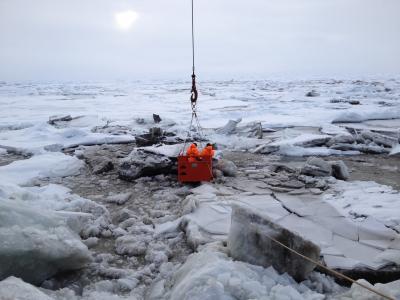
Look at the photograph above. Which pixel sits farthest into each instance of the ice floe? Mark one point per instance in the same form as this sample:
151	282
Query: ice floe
341	237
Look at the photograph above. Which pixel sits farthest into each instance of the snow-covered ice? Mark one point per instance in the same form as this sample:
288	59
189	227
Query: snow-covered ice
348	218
275	104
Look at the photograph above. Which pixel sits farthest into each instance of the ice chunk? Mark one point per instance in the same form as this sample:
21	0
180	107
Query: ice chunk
371	229
213	219
140	163
366	198
204	188
227	167
131	245
35	244
353	117
334	130
390	255
365	255
166	150
119	198
339	170
250	239
266	205
340	262
229	128
210	274
307	229
15	288
395	150
316	166
391	289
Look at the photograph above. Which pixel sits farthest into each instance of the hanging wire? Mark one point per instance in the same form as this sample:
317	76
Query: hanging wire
193	68
194	93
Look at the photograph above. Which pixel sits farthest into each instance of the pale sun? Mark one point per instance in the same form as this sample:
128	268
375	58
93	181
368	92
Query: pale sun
126	19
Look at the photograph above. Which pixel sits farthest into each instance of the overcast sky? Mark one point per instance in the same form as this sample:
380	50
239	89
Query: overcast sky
81	39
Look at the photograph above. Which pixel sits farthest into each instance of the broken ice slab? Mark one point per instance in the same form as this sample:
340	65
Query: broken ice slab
252	238
365	255
213	219
331	251
395	244
340	262
390	256
308	229
371	229
266	205
378	244
59	118
306	205
36	244
254	186
230	127
338	225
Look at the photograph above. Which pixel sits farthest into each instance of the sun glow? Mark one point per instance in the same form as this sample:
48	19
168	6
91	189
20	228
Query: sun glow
126	19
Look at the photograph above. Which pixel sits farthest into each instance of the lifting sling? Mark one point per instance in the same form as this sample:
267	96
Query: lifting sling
194	169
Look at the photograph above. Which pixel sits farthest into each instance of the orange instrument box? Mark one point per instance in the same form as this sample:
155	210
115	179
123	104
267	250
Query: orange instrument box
194	169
